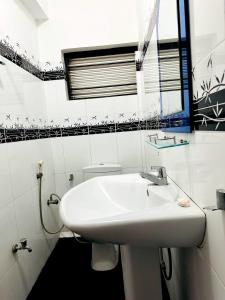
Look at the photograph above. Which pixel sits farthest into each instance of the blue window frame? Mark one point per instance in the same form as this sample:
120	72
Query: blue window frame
182	121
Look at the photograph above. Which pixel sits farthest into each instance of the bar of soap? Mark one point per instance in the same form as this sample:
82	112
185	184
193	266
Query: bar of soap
184	202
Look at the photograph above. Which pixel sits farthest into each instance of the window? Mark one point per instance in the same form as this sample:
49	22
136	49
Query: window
101	73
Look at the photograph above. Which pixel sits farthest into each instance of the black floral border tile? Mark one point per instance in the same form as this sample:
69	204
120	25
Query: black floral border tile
18	131
99	129
9	135
2	136
8	51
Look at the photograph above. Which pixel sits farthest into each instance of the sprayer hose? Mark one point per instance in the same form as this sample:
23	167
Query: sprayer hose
40	208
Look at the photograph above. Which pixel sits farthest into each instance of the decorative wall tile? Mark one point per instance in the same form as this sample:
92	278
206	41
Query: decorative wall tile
98	129
23	127
12	53
15	128
209	91
8	135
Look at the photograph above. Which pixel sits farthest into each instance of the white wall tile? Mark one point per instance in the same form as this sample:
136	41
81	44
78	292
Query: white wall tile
76	152
214	244
127	105
131	170
5	178
30	263
129	149
103	109
22	95
59	107
20	160
58	154
9	237
13	285
176	161
207	27
62	183
104	148
202	281
25	214
207	171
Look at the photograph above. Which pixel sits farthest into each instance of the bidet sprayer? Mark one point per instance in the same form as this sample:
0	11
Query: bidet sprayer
40	167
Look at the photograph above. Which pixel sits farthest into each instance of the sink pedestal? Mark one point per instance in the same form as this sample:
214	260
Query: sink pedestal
141	273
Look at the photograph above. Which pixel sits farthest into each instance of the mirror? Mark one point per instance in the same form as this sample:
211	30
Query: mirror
174	56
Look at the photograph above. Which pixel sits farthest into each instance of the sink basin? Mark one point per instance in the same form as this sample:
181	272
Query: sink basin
123	209
139	216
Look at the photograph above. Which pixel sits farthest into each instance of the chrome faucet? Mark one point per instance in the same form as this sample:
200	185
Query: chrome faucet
159	179
22	245
51	200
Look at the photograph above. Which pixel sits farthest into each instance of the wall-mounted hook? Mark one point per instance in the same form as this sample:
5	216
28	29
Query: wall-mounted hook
71	177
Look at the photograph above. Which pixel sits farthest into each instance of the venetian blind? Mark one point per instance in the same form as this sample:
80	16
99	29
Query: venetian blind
101	73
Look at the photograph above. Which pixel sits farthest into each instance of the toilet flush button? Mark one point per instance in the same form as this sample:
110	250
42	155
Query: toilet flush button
184	202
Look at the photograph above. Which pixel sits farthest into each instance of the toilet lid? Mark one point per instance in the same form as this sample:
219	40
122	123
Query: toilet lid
102	168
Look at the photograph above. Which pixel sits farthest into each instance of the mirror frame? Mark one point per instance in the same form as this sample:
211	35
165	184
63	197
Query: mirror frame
181	121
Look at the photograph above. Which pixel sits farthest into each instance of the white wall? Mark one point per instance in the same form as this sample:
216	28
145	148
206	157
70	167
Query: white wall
86	23
44	5
17	23
21	96
168	24
199	169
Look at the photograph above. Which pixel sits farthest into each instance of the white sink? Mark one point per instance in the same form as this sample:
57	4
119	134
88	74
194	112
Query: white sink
117	209
126	210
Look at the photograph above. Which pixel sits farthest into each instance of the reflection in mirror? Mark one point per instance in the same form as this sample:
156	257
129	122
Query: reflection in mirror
147	66
151	80
169	58
174	65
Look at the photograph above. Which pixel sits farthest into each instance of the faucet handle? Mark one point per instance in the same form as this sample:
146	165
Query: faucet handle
23	242
21	245
161	170
156	168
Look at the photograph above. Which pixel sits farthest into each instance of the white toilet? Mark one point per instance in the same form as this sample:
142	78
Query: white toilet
104	256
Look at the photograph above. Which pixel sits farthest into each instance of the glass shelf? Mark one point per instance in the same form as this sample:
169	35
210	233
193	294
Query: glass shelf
167	145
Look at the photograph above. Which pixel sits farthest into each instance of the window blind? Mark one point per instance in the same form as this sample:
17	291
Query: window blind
169	67
101	73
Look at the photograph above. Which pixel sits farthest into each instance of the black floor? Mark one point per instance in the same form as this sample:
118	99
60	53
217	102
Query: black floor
68	275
